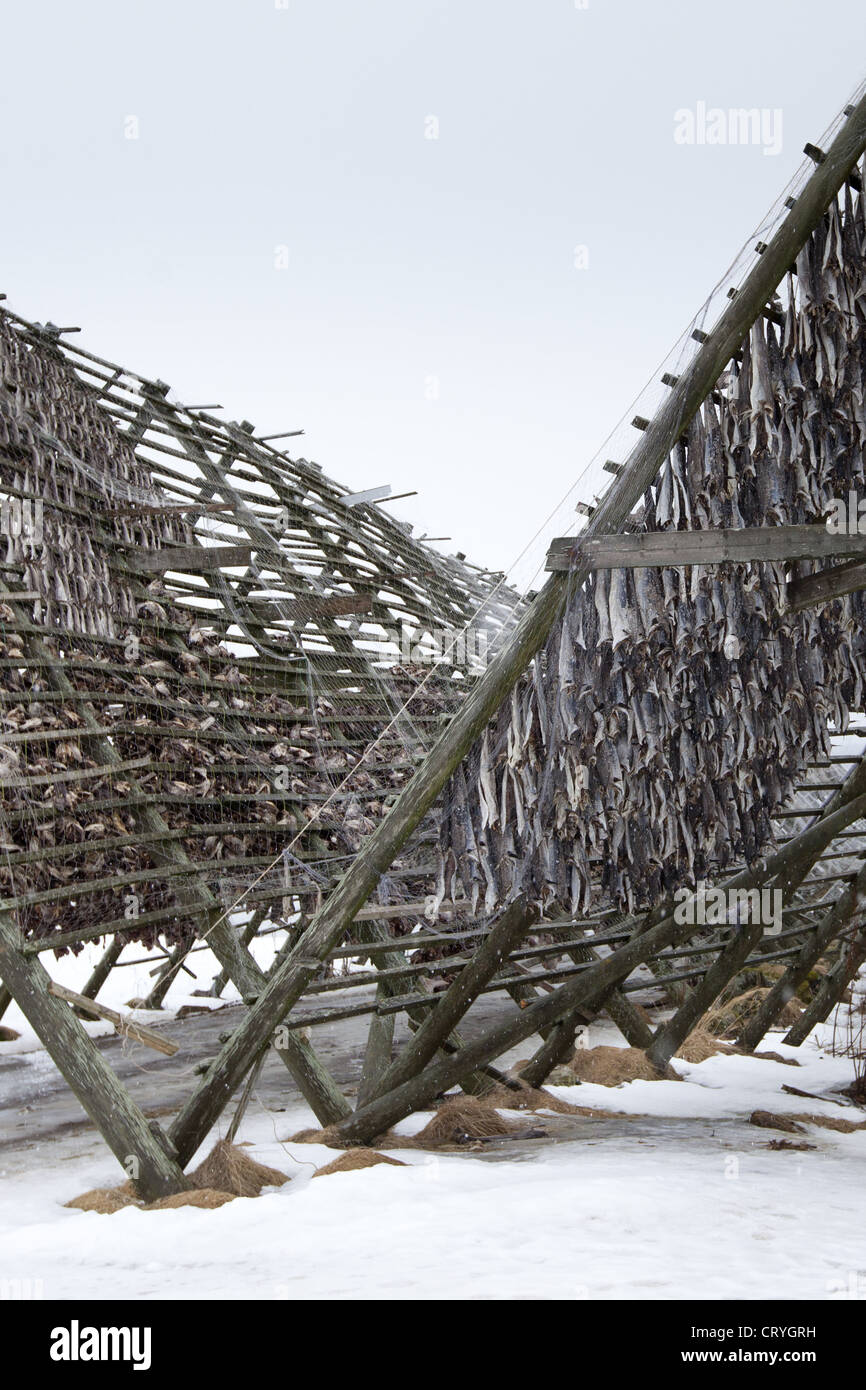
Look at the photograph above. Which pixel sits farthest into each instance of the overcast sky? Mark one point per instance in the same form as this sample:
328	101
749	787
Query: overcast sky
244	199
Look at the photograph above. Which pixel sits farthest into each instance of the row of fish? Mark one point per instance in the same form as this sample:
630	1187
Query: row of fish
235	768
58	447
672	710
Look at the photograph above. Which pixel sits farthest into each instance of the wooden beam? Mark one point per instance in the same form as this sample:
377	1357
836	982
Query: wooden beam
196	559
140	1147
456	999
286	984
728	963
711	547
829	992
126	1027
849	902
826	585
317	606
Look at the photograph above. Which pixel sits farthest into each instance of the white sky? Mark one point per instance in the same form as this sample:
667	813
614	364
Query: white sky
409	258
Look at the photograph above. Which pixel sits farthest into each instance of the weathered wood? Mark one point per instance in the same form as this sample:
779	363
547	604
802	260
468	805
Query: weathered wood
559	1041
671	1035
850	901
452	1004
378	1051
827	584
829	992
126	1027
286	984
195	559
141	1148
103	967
167	976
588	988
317	606
556	1048
636	550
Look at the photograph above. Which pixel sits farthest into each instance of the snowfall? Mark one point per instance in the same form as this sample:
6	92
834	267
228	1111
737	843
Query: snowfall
671	1194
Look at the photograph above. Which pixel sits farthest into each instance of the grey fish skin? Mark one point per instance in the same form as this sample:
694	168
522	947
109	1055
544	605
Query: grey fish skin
687	778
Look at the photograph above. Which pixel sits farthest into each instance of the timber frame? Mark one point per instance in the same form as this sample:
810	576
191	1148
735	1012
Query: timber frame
295	608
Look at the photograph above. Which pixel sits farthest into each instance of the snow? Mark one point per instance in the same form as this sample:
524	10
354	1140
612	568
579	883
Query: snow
130	979
671	1195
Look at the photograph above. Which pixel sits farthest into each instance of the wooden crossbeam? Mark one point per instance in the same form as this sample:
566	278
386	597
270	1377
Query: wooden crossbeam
317	606
195	559
126	1027
710	547
140	1146
288	981
826	585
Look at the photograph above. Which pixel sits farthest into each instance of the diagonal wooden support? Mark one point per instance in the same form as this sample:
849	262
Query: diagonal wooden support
849	902
727	964
456	999
826	585
853	787
313	1078
378	1052
587	991
140	1147
556	1048
829	992
329	925
103	967
380	1037
589	986
559	1043
474	1083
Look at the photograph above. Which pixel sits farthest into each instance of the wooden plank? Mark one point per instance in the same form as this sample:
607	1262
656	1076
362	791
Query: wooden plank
126	1027
287	982
197	559
826	585
829	992
172	508
837	918
453	1003
710	547
317	606
139	1146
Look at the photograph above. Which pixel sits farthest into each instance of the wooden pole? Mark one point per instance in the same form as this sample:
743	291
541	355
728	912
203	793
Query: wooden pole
453	1003
286	985
824	586
587	990
140	1147
723	969
103	967
829	992
839	915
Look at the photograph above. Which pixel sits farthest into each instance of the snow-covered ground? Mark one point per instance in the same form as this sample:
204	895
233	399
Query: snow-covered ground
674	1195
